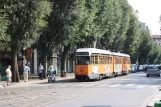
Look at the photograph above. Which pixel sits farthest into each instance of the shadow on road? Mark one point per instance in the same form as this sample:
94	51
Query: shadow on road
138	78
72	80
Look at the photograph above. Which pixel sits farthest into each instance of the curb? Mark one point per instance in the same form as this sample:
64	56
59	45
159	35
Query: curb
154	99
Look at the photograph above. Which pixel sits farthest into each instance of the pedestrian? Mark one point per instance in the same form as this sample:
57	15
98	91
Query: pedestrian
41	68
9	75
26	72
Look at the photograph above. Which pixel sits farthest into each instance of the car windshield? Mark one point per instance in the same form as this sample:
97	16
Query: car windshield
132	66
152	67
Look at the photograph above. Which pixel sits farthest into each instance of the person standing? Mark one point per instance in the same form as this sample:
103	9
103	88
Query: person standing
41	68
26	72
9	75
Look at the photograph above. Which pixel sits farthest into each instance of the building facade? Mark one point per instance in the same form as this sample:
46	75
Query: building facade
156	39
144	26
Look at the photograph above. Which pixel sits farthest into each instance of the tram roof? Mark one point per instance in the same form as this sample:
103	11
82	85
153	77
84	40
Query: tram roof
94	51
117	54
125	55
100	51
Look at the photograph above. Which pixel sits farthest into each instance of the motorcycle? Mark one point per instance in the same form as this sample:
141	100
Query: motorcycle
51	74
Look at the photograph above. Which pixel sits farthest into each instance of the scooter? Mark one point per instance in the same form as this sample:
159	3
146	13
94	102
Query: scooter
51	74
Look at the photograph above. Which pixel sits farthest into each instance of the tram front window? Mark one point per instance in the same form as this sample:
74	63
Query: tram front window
82	60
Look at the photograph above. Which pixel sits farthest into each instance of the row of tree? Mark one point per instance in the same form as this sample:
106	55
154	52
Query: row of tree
105	24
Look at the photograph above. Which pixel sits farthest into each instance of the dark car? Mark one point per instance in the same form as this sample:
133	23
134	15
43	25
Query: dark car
152	70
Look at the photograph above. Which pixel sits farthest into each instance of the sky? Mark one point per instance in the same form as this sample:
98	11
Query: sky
149	13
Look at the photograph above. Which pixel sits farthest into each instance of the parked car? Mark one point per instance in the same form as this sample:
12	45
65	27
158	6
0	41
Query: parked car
141	67
152	70
133	68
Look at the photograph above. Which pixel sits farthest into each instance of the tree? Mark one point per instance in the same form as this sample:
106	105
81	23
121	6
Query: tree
26	19
112	23
133	34
59	28
3	26
145	46
126	10
154	54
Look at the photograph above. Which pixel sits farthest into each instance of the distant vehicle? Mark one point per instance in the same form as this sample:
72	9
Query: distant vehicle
141	67
133	68
152	70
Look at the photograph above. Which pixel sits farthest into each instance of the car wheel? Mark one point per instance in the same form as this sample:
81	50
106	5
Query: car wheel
158	75
147	75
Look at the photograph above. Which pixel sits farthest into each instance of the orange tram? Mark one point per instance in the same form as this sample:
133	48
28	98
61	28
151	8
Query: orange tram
92	63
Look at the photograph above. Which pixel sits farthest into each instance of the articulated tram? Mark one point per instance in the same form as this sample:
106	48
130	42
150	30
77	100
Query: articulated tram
92	63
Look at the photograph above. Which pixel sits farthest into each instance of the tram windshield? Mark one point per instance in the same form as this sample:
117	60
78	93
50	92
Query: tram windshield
82	60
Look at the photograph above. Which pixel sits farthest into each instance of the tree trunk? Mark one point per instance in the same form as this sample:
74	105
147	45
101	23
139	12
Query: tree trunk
45	63
94	44
14	62
64	58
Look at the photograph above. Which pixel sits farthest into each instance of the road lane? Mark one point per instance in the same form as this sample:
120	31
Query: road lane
123	91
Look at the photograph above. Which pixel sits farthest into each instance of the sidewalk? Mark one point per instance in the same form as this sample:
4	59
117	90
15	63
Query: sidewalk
157	97
69	76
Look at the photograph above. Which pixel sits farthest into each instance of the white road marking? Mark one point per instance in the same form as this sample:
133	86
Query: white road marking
116	85
101	85
141	86
129	85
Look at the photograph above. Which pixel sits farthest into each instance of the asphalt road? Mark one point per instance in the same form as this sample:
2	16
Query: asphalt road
133	90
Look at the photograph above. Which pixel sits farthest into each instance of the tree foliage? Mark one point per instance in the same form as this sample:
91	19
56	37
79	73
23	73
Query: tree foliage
109	24
132	39
26	19
3	26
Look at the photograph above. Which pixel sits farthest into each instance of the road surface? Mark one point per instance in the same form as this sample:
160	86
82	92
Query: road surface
133	90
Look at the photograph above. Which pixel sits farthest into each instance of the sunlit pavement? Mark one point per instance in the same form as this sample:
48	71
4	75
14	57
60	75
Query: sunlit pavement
133	90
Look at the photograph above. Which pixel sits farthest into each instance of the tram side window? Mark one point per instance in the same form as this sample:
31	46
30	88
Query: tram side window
120	60
115	60
124	61
110	60
101	60
92	60
82	60
106	60
127	61
96	59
